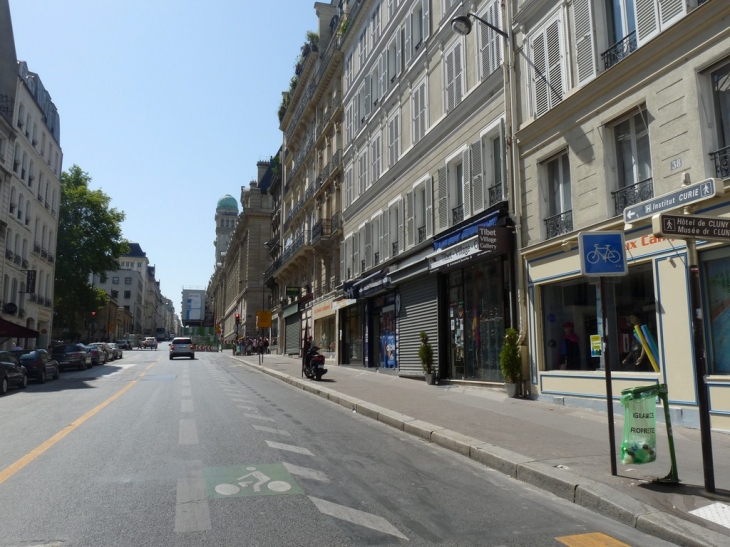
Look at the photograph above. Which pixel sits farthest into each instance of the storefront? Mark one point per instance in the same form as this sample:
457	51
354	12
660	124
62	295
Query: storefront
352	331
475	282
292	328
323	315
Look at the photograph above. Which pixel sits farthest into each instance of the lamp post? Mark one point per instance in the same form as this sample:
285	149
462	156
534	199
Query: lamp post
461	24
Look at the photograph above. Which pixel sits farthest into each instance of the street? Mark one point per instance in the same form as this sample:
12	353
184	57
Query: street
148	451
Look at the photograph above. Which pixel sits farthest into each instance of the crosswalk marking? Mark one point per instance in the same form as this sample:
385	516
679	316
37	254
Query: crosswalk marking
305	472
270	430
374	522
595	539
289	448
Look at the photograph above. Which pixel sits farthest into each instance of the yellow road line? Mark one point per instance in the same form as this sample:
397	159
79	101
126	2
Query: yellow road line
595	539
13	468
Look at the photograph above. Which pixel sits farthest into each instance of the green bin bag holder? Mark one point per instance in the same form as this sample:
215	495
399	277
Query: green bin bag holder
645	453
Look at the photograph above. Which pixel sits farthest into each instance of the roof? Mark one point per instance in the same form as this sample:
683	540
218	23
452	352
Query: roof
228	202
135	249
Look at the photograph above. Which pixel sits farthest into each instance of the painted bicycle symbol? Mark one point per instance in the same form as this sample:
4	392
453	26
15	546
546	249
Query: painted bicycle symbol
604	253
260	480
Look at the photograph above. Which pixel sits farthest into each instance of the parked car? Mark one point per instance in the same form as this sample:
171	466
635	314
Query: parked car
150	342
123	344
180	347
116	350
40	365
72	356
98	357
12	373
103	346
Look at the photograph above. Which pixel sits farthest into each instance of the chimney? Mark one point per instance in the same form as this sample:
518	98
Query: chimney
262	166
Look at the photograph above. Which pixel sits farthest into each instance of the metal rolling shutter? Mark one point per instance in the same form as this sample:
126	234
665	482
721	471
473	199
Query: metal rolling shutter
419	309
291	341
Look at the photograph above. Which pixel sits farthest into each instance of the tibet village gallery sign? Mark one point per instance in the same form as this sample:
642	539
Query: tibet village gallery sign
490	240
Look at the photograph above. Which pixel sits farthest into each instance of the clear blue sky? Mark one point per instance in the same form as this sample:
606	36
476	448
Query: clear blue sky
168	105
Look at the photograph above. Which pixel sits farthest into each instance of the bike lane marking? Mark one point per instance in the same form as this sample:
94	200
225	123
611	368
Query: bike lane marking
13	468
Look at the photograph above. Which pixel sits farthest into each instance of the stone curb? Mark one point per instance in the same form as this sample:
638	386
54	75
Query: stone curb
595	496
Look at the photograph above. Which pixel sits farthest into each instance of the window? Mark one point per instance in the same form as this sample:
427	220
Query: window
24	166
453	77
393	139
721	101
127	295
349	197
127	280
139	264
490	43
418	24
418	213
126	308
633	161
559	214
103	278
547	70
362	48
375	155
455	174
115	293
418	111
362	172
392	228
349	115
375	26
115	280
448	5
394	58
487	168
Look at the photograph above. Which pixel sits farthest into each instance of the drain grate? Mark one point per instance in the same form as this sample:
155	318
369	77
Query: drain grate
719	513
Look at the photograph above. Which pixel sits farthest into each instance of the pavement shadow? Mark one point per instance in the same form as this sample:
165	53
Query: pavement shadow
686	490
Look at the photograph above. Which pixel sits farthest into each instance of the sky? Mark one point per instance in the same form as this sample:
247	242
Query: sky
167	105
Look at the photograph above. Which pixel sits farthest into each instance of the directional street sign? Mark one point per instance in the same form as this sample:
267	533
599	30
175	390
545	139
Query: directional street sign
602	253
691	227
686	195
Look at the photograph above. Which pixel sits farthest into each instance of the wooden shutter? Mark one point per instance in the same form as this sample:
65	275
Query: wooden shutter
409	39
401	226
369	239
449	66
398	51
584	41
458	73
477	178
422	115
671	11
466	182
442	193
382	62
385	251
368	96
348	188
415	114
426	21
553	40
343	271
349	272
429	207
539	83
647	20
409	220
356	254
391	152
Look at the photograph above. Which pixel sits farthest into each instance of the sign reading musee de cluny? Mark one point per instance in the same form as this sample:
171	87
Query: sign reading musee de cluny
691	227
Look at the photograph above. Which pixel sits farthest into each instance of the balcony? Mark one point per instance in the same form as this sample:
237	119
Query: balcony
336	222
9	254
631	195
269	272
51	258
323	228
25	263
17	260
32	296
619	51
48	302
421	235
495	194
36	248
457	214
44	253
559	224
395	250
722	166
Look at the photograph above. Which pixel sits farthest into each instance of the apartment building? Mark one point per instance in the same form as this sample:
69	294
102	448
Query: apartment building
424	172
305	252
622	102
126	289
146	303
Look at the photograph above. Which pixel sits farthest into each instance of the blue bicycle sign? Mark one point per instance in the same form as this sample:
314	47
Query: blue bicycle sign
602	253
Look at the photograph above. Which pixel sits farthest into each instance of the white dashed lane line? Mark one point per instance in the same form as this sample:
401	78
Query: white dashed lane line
270	430
374	522
305	472
255	417
289	448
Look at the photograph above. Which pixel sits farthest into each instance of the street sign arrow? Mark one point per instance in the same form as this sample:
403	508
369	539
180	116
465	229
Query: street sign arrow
693	193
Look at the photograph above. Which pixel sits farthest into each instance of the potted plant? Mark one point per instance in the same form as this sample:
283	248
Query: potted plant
425	354
510	361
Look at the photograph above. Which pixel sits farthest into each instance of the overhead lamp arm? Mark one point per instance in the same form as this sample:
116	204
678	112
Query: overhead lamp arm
462	25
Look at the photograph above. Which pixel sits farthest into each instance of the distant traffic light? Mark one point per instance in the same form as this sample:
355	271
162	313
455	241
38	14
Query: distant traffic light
93	314
238	319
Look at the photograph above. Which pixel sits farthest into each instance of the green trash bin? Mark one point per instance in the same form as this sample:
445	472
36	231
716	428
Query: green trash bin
639	439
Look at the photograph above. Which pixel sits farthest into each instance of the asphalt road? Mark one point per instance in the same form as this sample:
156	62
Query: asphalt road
151	452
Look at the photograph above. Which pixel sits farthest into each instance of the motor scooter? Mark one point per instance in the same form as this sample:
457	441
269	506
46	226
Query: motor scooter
314	364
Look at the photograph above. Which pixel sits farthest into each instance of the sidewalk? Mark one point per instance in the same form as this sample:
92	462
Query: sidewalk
560	449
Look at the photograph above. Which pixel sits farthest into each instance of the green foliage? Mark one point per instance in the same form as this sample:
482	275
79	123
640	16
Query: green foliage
312	38
425	354
510	360
89	242
344	26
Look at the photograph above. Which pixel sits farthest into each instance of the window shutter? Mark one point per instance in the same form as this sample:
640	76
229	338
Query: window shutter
398	52
647	20
368	96
409	220
477	178
449	65
396	135
442	199
555	62
671	11
343	261
416	112
356	255
422	116
391	158
584	40
348	188
383	74
466	182
429	207
348	259
409	39
369	238
385	227
426	22
401	226
458	73
539	85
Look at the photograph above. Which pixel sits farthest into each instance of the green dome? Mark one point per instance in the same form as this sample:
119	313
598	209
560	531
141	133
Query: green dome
228	202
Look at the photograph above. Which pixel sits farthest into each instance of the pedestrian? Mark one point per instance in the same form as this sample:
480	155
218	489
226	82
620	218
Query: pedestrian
305	349
266	344
262	349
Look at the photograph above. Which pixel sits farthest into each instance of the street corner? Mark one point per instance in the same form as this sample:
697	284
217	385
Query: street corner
242	481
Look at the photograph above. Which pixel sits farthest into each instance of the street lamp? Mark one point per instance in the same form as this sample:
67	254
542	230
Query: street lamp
461	24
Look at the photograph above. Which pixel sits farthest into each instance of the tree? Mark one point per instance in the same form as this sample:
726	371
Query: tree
89	242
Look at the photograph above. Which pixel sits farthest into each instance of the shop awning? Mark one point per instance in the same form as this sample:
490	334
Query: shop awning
11	330
466	232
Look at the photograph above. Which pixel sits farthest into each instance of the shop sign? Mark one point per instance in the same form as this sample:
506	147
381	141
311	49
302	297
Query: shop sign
489	240
343	303
291	310
596	345
293	291
375	285
323	309
494	239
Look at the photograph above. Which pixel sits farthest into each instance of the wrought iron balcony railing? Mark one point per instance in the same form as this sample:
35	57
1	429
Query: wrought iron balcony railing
32	296
25	263
44	253
619	51
722	162
51	258
421	234
631	195
323	228
559	224
9	254
336	222
36	248
17	259
495	194
457	214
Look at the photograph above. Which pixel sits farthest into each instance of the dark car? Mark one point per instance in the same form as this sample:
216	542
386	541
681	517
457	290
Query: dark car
12	373
123	344
40	365
98	356
72	356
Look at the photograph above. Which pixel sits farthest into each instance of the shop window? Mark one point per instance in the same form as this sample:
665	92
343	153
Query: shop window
635	306
633	161
721	101
557	196
716	271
